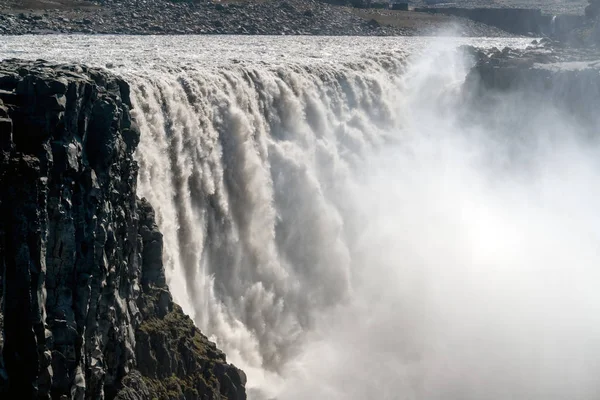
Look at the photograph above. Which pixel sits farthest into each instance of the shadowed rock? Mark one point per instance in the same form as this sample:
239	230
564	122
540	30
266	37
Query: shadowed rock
86	310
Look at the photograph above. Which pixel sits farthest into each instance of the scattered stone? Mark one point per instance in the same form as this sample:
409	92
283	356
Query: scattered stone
269	17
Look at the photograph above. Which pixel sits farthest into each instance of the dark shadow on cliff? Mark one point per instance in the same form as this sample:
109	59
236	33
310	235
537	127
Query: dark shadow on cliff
86	312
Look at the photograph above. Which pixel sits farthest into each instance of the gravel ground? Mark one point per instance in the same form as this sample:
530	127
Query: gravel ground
552	7
429	24
265	17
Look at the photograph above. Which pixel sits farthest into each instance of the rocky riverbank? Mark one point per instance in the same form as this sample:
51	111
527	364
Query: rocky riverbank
86	312
291	17
266	17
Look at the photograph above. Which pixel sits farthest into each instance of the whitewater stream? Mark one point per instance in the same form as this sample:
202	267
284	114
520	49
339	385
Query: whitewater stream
345	225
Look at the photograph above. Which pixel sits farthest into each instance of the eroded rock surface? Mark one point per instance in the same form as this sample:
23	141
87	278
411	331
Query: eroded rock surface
544	78
86	310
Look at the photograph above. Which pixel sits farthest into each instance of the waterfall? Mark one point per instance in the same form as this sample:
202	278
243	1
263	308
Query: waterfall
361	230
347	221
249	170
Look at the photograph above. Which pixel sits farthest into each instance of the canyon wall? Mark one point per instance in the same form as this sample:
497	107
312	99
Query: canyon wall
86	311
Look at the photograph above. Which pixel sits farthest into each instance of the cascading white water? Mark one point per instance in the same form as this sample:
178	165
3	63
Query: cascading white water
356	229
250	170
309	211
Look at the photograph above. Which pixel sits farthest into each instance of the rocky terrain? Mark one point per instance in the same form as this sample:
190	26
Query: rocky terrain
589	33
265	17
585	33
298	17
86	312
426	24
551	7
545	74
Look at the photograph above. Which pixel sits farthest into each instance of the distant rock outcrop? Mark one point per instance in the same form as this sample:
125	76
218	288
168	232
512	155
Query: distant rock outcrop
593	9
86	312
568	79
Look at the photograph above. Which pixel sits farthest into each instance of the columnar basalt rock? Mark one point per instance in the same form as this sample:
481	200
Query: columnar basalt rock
86	312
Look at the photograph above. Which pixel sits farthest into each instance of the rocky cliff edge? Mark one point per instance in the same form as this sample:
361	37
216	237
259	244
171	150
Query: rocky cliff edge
542	75
86	312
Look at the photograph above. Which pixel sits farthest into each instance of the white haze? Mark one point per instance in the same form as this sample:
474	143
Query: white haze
475	271
356	229
475	278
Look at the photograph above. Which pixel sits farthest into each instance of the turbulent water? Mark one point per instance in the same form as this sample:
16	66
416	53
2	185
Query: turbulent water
345	225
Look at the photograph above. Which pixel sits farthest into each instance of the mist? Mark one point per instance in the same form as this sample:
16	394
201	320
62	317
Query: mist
376	228
352	218
474	272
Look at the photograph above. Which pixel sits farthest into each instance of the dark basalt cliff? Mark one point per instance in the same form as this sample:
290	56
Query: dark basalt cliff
568	80
86	312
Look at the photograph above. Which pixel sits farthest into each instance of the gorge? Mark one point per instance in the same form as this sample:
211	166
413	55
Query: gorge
344	217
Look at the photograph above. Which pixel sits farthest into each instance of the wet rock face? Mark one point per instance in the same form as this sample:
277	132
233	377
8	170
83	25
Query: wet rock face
82	283
539	77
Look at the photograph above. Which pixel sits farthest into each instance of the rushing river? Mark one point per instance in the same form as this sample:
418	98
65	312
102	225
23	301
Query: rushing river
346	226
